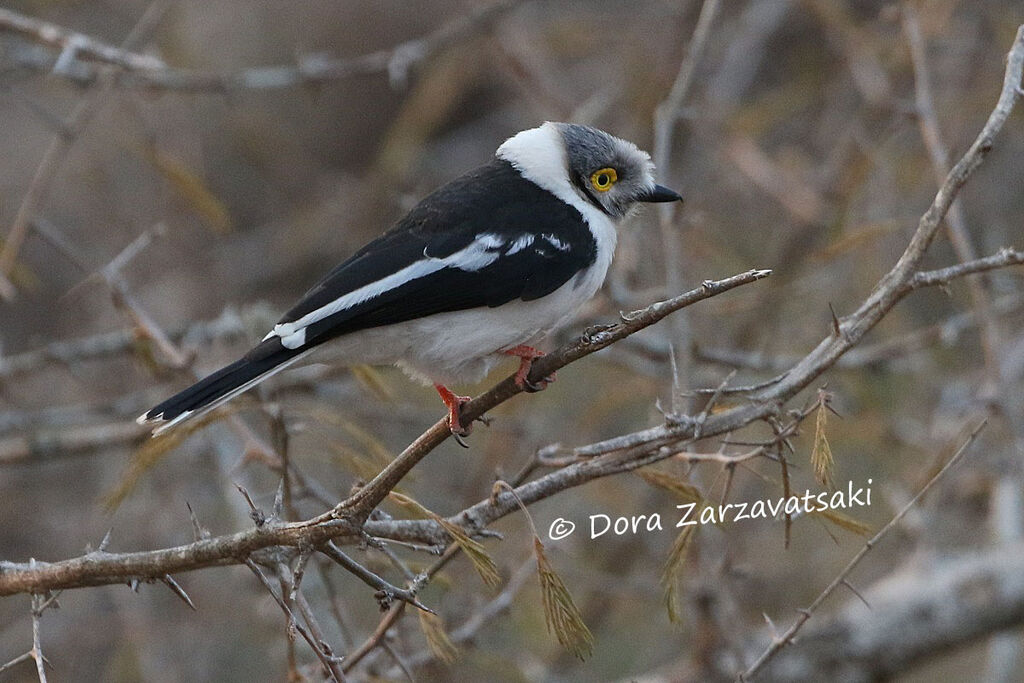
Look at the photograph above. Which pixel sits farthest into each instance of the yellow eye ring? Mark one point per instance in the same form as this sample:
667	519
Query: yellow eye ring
603	179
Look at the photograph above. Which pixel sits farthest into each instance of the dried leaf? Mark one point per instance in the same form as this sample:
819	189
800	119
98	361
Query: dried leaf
666	480
21	275
670	574
370	378
192	189
381	453
473	549
150	454
562	616
437	639
354	461
844	521
856	237
821	455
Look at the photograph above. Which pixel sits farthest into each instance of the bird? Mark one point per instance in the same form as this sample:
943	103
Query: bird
482	268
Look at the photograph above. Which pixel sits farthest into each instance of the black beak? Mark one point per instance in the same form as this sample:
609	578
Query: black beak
660	193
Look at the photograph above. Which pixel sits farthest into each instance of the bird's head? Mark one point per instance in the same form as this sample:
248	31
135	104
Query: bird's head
605	171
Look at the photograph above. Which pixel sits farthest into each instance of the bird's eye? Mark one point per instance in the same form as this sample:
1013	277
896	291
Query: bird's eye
603	179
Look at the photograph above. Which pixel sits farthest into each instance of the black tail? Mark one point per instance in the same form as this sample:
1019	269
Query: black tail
261	362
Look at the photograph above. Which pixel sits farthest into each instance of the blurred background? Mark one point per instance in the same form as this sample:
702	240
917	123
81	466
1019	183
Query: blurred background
202	208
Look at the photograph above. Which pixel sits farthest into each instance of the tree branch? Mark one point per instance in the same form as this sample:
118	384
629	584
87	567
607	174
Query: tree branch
311	69
74	44
917	613
346	520
805	614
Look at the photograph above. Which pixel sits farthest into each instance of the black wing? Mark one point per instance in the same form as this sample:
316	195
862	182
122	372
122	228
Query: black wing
538	242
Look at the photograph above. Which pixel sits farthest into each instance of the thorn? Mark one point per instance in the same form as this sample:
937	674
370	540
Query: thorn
856	592
105	542
275	512
300	571
198	532
419	605
835	321
178	590
771	626
257	515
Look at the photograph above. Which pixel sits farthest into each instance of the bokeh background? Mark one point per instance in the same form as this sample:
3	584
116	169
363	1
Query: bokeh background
798	148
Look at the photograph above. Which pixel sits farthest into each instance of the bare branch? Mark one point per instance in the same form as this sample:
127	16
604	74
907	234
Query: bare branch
74	44
349	516
805	614
932	278
310	69
666	115
58	150
959	236
925	609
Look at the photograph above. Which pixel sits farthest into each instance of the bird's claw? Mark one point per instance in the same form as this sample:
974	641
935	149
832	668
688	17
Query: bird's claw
526	355
533	387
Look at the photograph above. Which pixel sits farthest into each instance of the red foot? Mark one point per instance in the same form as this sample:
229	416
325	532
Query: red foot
454	403
526	355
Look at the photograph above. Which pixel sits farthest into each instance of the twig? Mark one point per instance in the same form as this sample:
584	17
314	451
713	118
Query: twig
310	69
392	615
945	333
349	516
804	614
387	589
932	278
329	661
39	603
368	497
666	115
74	44
23	657
59	147
230	324
472	626
956	222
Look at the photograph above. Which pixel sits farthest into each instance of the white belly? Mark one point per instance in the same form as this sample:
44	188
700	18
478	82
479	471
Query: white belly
452	348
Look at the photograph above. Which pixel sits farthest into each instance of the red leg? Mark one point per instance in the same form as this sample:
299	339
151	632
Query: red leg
526	355
454	403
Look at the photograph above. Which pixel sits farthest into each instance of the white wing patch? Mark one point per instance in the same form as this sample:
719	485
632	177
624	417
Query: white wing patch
519	243
480	253
555	242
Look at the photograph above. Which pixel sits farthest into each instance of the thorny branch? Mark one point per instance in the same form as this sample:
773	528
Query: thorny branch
99	568
666	116
805	614
59	147
124	70
350	520
636	450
